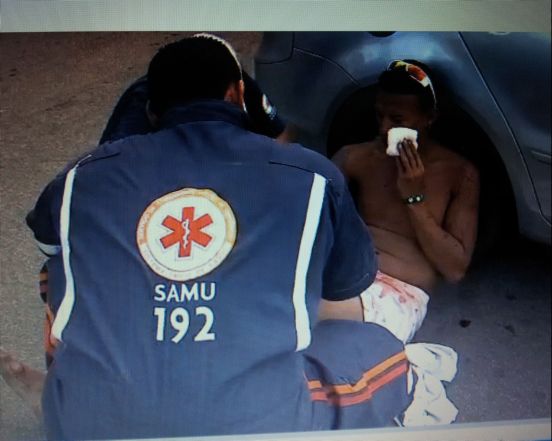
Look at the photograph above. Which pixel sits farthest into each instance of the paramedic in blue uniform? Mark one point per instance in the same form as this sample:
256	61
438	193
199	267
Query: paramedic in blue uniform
188	267
130	115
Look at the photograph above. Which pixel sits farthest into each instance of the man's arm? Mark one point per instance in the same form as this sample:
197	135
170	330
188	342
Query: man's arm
342	160
43	219
129	117
449	247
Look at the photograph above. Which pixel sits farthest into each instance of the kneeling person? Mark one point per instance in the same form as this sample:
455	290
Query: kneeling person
189	288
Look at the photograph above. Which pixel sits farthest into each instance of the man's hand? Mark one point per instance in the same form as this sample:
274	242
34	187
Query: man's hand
448	245
411	170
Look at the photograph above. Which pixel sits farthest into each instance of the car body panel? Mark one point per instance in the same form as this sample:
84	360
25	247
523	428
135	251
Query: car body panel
325	68
517	71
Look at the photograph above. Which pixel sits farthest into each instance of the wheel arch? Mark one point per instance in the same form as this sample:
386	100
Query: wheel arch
354	121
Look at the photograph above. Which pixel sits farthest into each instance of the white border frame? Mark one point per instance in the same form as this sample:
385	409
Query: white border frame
522	430
274	15
293	15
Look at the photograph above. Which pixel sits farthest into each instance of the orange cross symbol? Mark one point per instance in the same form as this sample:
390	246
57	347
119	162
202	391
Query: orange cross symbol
186	231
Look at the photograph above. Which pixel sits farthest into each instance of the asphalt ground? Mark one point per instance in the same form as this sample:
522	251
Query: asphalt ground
56	93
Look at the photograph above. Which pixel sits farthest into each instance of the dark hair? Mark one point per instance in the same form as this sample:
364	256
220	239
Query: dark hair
399	81
199	67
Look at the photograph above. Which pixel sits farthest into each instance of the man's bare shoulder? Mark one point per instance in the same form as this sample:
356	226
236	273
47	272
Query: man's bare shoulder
363	149
458	170
353	156
443	155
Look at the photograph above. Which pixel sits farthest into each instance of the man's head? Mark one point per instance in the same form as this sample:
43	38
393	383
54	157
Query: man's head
405	98
200	67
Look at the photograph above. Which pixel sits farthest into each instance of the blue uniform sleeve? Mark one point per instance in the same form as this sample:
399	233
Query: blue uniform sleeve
43	219
352	263
129	116
263	115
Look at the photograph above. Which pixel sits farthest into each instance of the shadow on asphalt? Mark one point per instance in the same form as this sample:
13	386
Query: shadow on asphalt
498	320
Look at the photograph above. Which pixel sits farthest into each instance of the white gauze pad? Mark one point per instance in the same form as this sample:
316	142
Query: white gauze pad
398	134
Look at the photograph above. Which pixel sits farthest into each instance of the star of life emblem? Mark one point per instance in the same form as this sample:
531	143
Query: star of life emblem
186	234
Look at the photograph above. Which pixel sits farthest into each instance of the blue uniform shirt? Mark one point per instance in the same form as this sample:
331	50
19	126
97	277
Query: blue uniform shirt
129	117
194	260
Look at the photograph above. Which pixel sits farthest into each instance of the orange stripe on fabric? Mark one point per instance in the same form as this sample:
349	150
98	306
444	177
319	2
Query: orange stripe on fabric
366	395
319	396
314	384
373	387
366	377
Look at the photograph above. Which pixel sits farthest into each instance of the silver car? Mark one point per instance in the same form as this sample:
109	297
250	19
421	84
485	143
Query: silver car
494	105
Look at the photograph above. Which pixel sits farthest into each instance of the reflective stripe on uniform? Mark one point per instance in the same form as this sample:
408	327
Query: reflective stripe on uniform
66	306
312	219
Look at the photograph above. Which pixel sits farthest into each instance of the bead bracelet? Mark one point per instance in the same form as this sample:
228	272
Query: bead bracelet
414	199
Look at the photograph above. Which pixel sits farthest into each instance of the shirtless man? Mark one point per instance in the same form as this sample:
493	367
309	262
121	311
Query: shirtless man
421	206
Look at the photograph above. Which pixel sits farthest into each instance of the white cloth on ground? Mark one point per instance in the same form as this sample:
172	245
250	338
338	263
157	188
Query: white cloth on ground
432	365
401	308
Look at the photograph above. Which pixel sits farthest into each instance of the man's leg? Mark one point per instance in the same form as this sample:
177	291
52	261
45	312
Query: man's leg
26	381
357	375
388	302
350	309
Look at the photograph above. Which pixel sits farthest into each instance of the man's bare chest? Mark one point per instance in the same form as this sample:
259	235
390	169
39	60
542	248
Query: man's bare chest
380	203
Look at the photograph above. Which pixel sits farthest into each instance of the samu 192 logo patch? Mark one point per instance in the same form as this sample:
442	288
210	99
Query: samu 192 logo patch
186	234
